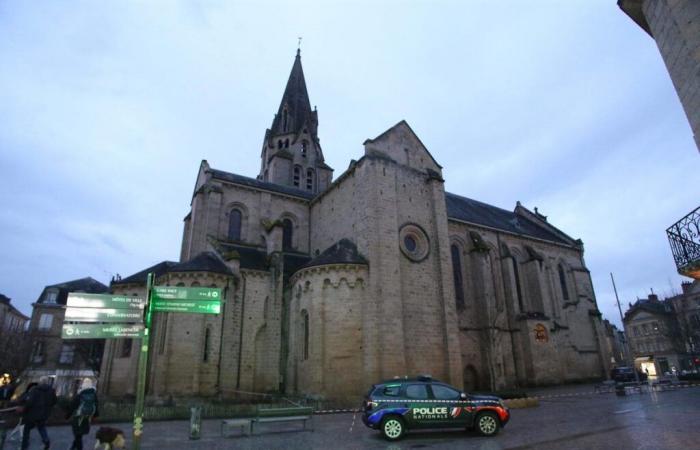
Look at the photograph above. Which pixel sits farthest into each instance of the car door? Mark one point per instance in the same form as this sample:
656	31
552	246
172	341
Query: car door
450	398
418	399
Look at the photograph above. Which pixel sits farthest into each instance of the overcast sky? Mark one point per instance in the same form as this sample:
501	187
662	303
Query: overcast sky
107	109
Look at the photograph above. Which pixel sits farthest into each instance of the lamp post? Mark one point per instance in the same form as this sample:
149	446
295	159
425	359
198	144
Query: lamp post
625	342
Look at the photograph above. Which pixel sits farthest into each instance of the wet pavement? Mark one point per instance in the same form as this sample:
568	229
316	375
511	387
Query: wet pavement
571	419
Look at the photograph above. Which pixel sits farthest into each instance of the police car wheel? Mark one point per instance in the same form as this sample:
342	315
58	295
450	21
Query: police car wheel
392	428
487	424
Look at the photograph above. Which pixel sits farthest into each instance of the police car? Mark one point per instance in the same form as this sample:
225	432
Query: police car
398	405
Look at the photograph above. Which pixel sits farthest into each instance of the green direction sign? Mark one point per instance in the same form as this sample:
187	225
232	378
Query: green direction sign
103	315
101	331
186	306
81	300
183	293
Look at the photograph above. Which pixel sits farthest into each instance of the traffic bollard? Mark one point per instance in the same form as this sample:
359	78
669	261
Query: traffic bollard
195	422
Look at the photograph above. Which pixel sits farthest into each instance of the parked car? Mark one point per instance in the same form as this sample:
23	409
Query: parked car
626	374
398	405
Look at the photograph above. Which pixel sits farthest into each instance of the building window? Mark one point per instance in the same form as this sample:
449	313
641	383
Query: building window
67	354
286	143
297	175
304	145
38	352
126	348
695	321
516	278
309	179
45	321
205	350
306	335
457	275
562	282
279	144
287	231
51	297
234	225
413	242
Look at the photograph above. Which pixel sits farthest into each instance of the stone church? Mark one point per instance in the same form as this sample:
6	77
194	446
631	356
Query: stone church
332	284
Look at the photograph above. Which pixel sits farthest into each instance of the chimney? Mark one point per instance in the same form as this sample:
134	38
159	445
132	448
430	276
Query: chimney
653	298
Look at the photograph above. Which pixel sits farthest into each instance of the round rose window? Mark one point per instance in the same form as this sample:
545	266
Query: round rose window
414	242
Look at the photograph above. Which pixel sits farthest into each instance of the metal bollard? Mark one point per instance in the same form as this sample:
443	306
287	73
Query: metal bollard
620	389
195	422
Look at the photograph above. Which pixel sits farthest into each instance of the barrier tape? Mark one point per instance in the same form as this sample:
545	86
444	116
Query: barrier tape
539	397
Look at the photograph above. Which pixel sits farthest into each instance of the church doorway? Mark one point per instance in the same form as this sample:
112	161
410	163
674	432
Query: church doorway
470	379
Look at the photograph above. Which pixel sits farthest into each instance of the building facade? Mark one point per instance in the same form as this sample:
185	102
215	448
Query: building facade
664	335
332	285
13	338
66	362
675	26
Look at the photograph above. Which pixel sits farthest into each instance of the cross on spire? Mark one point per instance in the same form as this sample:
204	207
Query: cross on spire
299	45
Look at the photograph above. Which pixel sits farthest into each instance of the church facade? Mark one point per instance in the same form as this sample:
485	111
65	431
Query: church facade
331	285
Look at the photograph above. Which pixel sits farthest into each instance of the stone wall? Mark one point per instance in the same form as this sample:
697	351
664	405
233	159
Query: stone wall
328	362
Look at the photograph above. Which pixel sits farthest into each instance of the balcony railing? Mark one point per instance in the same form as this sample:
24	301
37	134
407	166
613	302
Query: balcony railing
684	237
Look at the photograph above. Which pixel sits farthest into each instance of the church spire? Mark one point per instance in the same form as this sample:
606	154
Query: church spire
295	107
291	153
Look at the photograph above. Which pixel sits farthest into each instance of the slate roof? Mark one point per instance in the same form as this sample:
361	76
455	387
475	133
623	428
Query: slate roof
294	262
654	307
296	98
342	252
473	211
203	262
252	182
6	300
250	257
87	284
140	277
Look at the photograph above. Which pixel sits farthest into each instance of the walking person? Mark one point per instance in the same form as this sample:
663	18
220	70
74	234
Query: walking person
36	406
81	410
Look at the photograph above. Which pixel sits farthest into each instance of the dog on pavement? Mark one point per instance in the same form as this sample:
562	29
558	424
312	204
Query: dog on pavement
109	438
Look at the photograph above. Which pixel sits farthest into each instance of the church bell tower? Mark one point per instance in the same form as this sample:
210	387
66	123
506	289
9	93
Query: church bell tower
291	153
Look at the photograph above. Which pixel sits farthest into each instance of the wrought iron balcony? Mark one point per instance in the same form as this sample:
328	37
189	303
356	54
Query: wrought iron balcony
684	237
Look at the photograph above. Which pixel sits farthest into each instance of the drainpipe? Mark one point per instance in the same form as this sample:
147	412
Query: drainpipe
221	340
240	336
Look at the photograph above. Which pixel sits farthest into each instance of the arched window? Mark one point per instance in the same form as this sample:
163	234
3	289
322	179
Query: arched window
297	175
234	225
305	353
303	148
457	275
516	276
309	179
279	144
286	143
287	230
562	282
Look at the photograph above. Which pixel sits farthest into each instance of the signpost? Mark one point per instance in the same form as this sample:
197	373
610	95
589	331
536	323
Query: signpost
101	331
104	316
197	307
81	300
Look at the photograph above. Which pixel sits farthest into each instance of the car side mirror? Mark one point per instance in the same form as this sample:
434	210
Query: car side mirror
463	396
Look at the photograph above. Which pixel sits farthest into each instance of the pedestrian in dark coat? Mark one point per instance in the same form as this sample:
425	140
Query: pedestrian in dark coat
82	409
36	406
